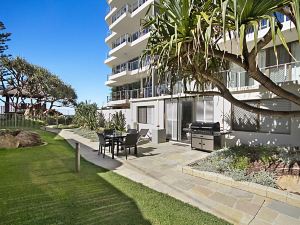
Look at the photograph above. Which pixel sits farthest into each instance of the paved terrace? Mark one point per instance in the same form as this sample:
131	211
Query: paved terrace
159	167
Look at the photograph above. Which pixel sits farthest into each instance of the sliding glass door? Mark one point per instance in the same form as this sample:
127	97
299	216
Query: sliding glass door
171	118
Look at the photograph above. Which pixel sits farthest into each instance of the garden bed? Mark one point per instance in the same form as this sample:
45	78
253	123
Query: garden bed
276	167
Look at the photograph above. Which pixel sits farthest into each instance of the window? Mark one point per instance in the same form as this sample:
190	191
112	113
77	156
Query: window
243	120
146	114
205	110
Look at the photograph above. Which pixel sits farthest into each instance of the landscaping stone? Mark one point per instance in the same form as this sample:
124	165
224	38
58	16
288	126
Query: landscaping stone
18	138
28	139
8	141
290	183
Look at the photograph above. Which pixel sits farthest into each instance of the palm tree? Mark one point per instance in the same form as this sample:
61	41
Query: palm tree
186	35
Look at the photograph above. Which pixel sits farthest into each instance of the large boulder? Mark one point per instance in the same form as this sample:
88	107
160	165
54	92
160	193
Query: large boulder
28	139
8	141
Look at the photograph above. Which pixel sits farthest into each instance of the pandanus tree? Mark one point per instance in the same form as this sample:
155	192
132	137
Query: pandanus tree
188	39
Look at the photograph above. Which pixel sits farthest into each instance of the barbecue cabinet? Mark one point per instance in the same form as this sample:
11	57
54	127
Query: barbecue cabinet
206	136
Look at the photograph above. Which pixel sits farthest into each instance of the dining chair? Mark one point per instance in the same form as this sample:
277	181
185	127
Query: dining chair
108	132
132	131
130	142
103	144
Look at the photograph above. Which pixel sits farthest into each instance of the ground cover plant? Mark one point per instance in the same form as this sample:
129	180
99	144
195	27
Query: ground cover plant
258	164
38	186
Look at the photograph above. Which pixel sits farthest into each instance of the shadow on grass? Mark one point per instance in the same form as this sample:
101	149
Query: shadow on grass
40	187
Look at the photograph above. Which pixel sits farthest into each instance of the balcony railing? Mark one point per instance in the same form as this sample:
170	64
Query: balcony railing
278	74
129	37
137	4
159	90
265	23
127	8
120	12
130	94
130	66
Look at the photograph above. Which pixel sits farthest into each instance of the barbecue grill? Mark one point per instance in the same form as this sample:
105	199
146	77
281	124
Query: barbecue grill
206	136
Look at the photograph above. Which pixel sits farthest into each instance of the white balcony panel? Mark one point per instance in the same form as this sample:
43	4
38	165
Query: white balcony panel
289	31
129	50
142	10
118	102
110	38
127	77
109	15
116	3
121	24
111	61
110	83
121	50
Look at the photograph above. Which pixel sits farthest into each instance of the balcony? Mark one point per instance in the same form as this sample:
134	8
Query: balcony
122	45
118	20
132	67
159	90
278	74
130	94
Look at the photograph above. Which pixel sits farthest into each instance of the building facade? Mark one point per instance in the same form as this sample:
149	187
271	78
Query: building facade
148	104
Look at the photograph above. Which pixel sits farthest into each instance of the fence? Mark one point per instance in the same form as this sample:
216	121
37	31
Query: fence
15	120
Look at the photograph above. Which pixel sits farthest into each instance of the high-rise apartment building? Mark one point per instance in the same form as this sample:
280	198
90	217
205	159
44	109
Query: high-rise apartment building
148	104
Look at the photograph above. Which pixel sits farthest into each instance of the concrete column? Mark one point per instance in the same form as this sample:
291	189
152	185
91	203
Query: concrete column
154	83
141	92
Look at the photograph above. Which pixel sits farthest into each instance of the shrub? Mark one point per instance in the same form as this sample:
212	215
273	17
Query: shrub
118	121
289	156
86	115
241	163
264	178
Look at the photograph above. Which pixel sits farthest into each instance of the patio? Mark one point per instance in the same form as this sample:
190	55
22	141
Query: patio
159	167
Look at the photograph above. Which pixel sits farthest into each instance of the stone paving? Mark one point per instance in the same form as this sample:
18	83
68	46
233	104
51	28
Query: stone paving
160	168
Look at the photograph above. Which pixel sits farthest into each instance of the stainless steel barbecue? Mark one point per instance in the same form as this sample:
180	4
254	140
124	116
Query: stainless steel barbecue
206	136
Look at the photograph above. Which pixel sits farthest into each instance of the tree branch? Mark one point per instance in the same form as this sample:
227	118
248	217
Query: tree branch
225	93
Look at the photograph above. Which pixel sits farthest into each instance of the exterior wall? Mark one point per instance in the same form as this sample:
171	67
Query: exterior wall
223	112
158	120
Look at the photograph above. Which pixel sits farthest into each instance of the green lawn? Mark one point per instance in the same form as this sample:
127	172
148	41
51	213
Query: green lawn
38	186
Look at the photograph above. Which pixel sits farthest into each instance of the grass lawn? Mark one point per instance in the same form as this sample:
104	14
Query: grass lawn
38	186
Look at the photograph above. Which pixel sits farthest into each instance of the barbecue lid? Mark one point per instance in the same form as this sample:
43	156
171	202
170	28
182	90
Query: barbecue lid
215	126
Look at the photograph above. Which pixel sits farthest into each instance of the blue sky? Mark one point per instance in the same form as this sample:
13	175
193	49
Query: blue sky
65	36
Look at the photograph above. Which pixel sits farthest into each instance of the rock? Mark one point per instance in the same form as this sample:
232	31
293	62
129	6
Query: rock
8	141
28	139
289	183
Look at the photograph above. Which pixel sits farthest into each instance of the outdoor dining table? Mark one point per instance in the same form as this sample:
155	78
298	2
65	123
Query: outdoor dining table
116	137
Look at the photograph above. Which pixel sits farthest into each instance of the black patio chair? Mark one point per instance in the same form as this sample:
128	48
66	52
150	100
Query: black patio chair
103	143
130	142
108	132
132	131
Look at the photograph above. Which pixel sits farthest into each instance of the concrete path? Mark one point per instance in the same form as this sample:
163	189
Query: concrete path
159	167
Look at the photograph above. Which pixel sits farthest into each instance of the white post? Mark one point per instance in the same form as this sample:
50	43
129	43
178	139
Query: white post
285	72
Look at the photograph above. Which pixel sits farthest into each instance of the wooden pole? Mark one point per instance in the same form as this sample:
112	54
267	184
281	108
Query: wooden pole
77	158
